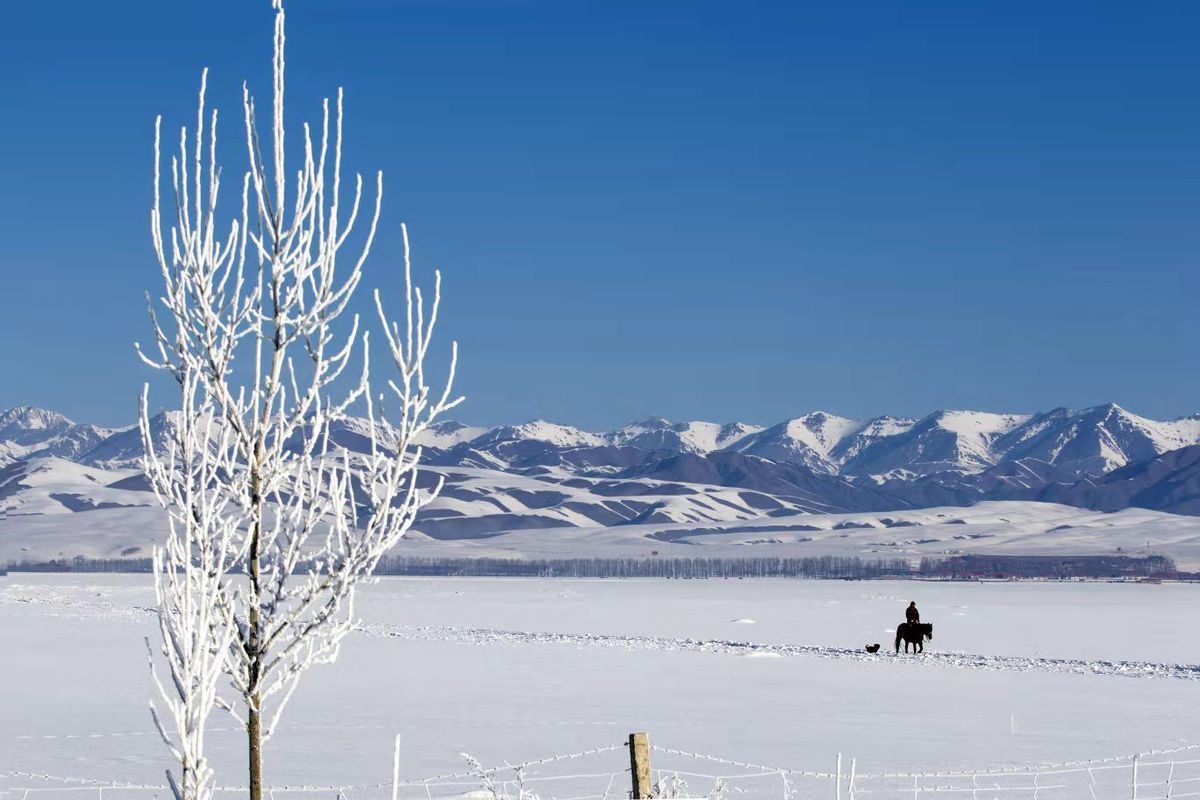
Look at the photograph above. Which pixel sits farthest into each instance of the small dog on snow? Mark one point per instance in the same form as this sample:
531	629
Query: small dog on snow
873	648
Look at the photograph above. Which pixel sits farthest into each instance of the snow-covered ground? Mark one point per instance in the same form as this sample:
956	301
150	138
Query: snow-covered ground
763	671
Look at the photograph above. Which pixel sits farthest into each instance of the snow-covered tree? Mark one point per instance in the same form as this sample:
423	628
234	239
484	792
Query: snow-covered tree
273	525
190	571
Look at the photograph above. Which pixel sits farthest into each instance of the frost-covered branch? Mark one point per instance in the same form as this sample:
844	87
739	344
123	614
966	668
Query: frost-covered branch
190	571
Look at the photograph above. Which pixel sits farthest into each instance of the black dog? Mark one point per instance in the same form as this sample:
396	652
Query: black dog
873	648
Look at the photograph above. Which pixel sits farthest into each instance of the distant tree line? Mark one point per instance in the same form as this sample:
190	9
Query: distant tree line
965	567
81	564
1063	567
629	567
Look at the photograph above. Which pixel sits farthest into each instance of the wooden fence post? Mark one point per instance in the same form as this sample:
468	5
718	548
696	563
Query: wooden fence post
639	765
396	770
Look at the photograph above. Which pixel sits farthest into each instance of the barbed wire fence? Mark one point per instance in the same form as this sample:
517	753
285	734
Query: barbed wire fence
611	772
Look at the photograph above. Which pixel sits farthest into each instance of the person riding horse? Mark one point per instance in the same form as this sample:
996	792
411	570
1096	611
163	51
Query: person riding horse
912	632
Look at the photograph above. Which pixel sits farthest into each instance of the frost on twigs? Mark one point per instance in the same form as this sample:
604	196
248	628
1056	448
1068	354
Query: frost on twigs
272	526
492	789
670	785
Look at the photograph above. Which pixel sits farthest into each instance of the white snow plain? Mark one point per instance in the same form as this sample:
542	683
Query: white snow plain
511	669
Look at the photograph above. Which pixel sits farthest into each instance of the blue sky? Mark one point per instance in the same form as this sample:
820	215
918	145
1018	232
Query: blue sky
698	209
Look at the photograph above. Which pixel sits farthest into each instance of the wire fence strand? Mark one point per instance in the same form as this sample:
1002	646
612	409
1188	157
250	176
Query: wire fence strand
1149	775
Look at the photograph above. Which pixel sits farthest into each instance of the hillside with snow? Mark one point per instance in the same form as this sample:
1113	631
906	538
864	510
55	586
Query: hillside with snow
69	488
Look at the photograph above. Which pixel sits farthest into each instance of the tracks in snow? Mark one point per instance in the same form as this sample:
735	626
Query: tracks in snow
487	636
107	604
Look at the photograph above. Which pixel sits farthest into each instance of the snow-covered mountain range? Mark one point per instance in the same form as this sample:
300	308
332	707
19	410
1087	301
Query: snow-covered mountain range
1093	441
1088	442
541	475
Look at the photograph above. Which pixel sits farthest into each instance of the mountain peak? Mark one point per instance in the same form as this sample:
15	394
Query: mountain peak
819	416
447	426
977	422
540	430
652	423
31	418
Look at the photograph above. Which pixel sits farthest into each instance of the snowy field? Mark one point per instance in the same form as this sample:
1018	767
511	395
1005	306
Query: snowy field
769	672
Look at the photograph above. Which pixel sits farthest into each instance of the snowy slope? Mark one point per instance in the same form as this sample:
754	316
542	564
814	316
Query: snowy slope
56	486
477	503
1169	482
1007	528
483	516
816	490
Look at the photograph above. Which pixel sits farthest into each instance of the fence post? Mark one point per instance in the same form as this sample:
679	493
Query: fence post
396	770
1133	795
639	765
838	779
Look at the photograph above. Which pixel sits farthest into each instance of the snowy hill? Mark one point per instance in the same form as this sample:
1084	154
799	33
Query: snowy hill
816	490
51	485
997	528
60	481
484	515
479	503
1169	482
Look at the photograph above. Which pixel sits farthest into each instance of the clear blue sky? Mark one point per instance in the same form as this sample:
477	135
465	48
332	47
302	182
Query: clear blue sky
698	209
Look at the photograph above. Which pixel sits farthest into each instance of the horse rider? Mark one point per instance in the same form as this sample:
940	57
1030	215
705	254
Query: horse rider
911	614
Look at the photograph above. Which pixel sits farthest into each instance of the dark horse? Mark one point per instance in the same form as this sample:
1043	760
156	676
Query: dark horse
914	633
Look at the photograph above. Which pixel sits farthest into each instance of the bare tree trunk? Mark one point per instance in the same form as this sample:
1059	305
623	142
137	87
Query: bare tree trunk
254	705
254	711
189	780
254	739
